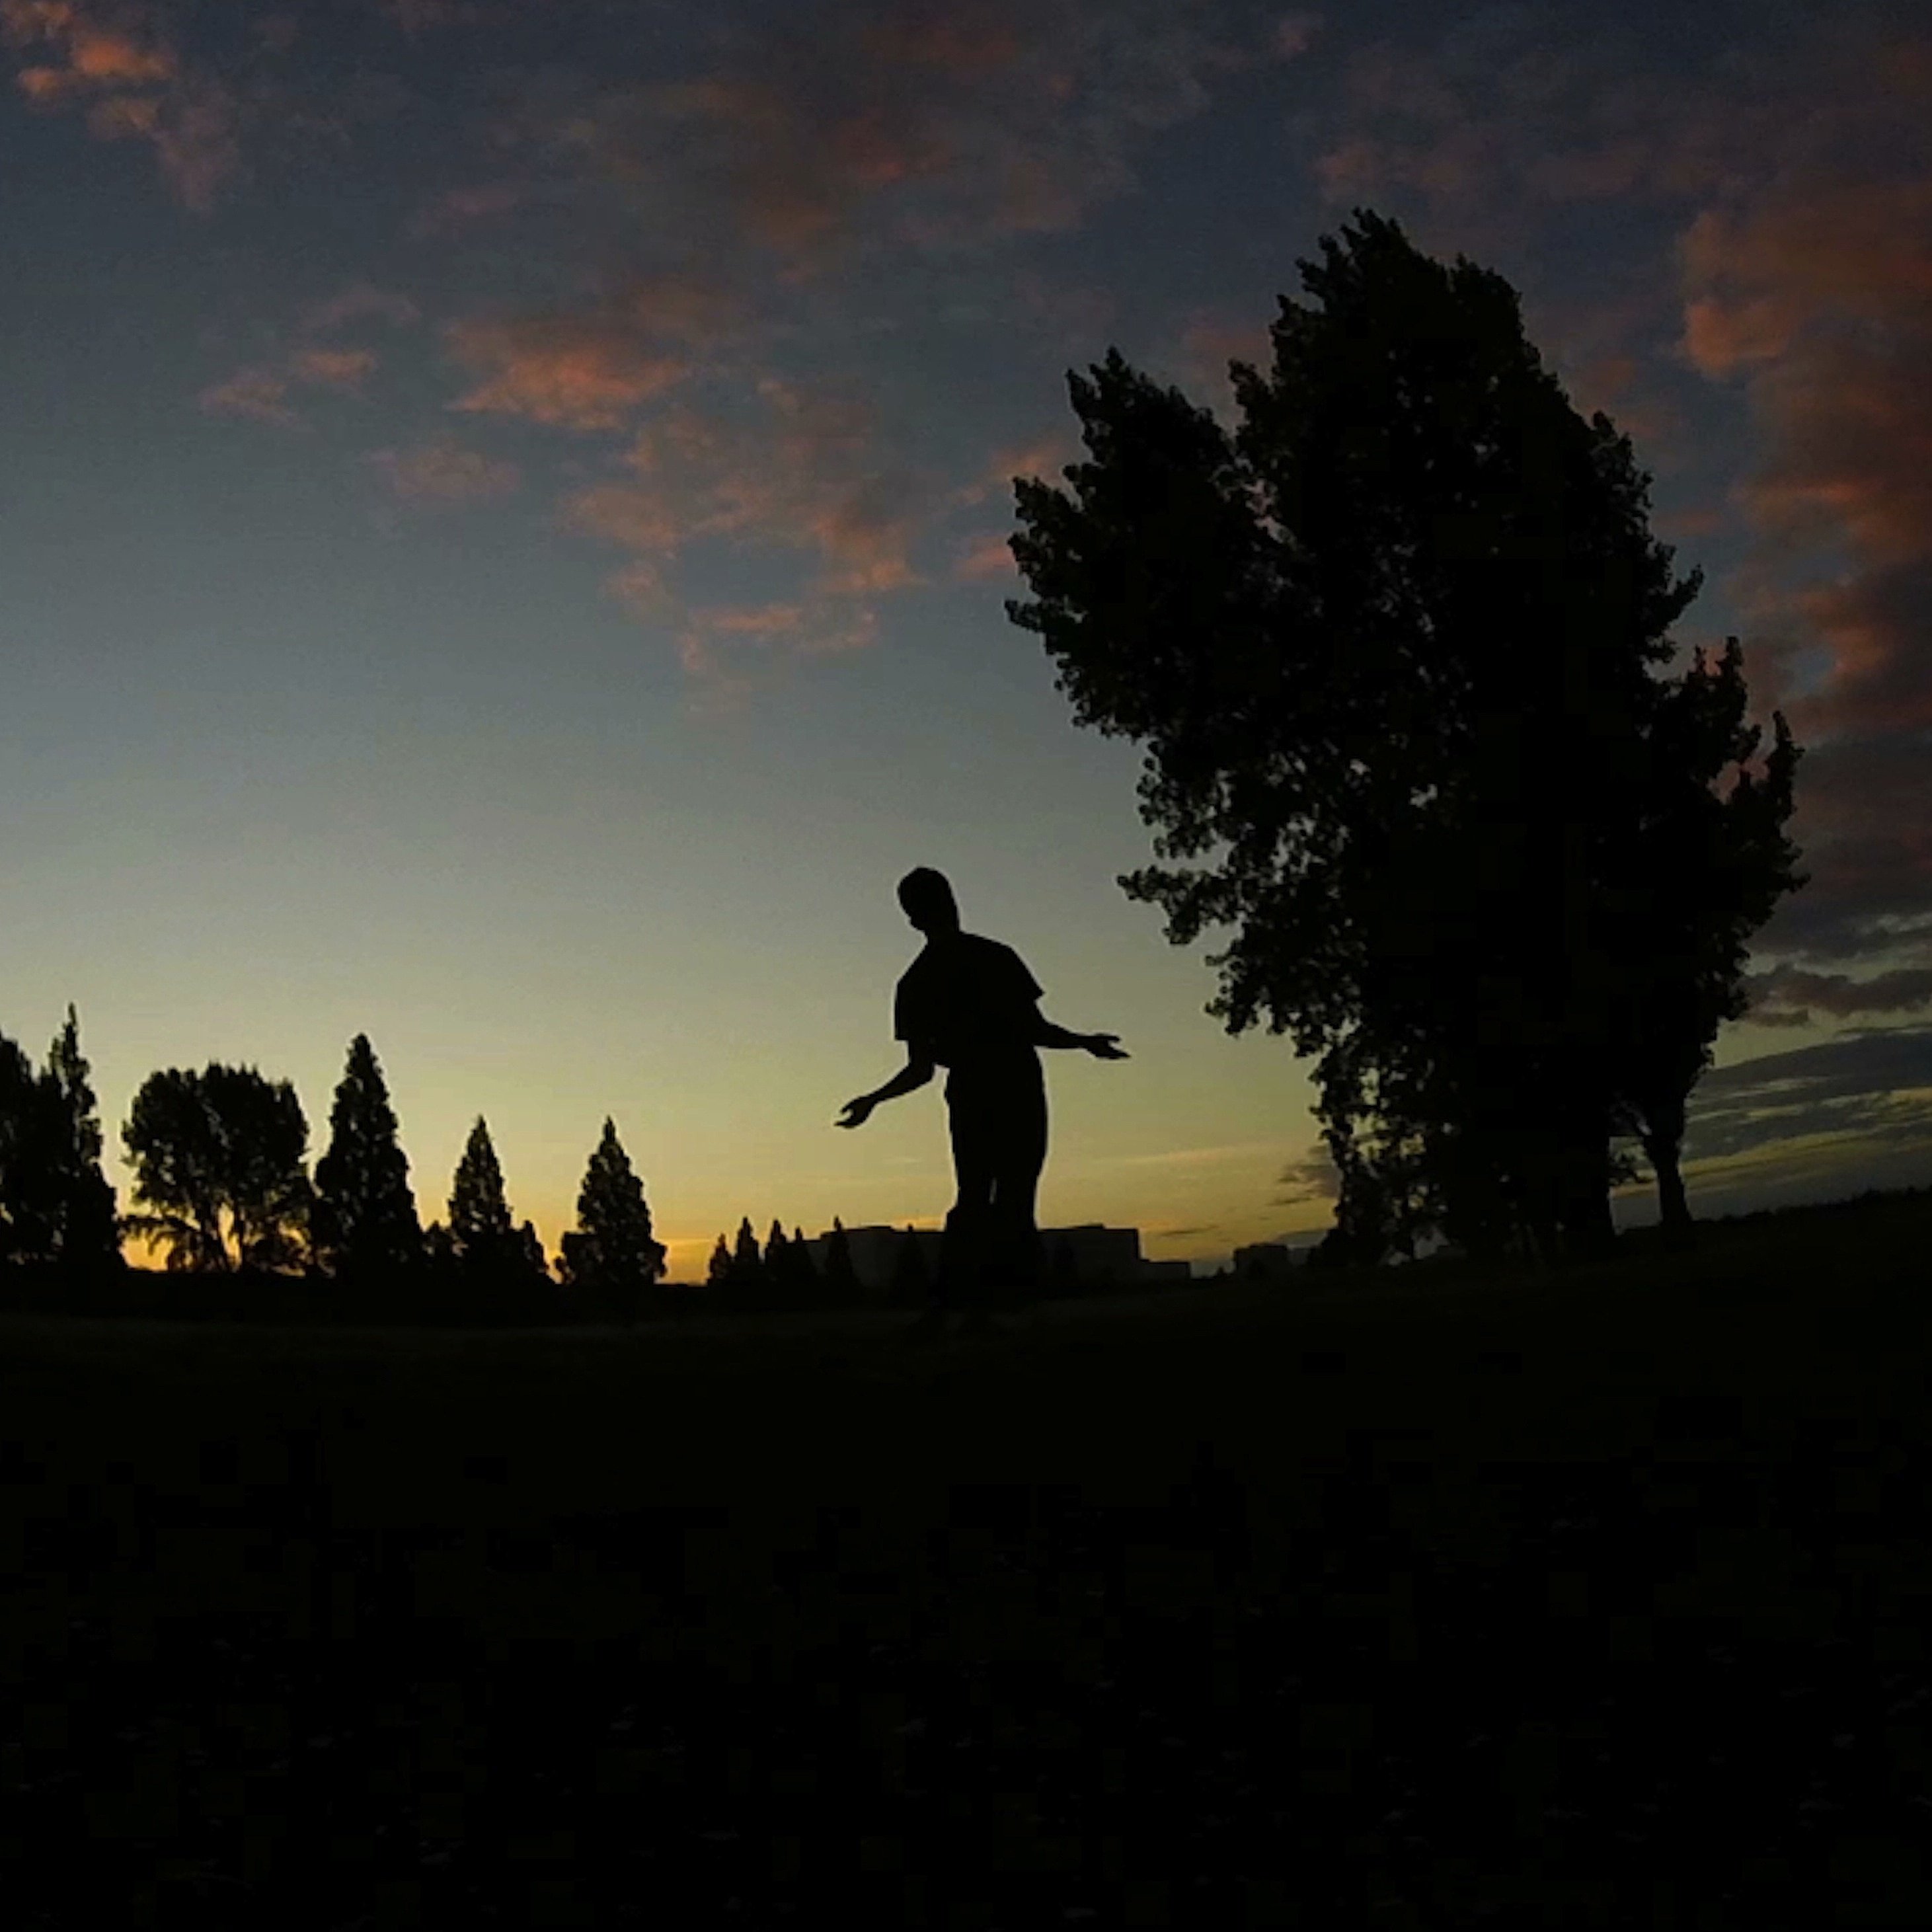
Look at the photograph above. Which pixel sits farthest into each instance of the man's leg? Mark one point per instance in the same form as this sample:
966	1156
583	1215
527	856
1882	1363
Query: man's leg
962	1254
1022	1155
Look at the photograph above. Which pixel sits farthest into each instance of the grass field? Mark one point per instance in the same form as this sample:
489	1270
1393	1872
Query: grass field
1429	1599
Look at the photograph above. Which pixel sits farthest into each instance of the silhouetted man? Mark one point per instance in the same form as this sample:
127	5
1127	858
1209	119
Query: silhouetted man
968	1004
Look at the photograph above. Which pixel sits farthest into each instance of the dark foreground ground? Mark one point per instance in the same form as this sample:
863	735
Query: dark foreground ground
1604	1601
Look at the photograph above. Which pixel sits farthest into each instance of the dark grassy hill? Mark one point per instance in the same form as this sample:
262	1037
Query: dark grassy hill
1418	1599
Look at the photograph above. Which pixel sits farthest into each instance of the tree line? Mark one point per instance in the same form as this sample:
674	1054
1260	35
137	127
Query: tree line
222	1190
1482	841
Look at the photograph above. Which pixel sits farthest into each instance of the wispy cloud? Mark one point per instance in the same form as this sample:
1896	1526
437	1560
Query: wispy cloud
443	472
319	359
1865	1093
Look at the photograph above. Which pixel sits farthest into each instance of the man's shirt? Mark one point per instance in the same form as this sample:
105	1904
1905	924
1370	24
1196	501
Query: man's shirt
966	1000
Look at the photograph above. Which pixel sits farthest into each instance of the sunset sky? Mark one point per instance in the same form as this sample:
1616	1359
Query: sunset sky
503	539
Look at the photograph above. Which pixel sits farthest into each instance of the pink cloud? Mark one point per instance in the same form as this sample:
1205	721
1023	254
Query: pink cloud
254	395
985	560
938	125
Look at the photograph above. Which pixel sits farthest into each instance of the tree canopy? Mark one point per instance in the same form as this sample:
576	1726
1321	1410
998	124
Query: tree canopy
1397	649
219	1178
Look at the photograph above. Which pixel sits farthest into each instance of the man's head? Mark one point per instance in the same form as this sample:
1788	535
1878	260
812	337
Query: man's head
927	898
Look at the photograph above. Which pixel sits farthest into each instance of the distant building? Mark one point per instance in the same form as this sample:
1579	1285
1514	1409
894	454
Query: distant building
1077	1259
1266	1261
875	1252
1092	1256
1158	1272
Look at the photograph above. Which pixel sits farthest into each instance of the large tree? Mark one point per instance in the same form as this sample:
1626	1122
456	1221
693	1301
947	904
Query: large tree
1397	650
613	1255
365	1213
219	1178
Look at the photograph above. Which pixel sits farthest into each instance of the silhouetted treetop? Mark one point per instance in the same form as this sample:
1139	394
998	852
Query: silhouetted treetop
56	1207
365	1212
614	1253
1396	649
218	1163
479	1211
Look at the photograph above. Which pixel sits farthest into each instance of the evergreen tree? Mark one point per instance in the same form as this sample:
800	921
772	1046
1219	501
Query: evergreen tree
747	1266
505	1262
614	1256
29	1226
365	1213
840	1278
719	1273
90	1230
778	1262
56	1207
479	1211
746	1278
801	1273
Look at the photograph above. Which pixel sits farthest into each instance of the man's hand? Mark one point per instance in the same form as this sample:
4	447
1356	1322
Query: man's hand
857	1112
1104	1046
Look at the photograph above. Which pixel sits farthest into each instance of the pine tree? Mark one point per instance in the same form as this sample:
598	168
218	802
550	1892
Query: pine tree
805	1271
479	1212
718	1274
778	1262
505	1262
612	1256
56	1205
365	1220
840	1279
747	1264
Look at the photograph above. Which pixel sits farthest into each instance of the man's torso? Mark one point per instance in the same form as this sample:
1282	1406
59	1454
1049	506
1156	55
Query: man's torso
971	1003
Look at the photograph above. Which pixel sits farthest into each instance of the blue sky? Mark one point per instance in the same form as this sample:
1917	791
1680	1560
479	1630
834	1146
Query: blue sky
503	532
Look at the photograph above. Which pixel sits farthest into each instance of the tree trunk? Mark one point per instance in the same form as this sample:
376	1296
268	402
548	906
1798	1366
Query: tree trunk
1673	1205
1588	1229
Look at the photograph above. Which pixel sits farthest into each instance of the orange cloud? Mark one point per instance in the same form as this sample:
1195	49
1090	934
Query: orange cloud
798	473
589	369
118	64
444	472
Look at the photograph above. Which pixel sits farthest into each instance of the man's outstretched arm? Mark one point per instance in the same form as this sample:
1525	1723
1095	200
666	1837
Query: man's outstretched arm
913	1075
1101	1046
